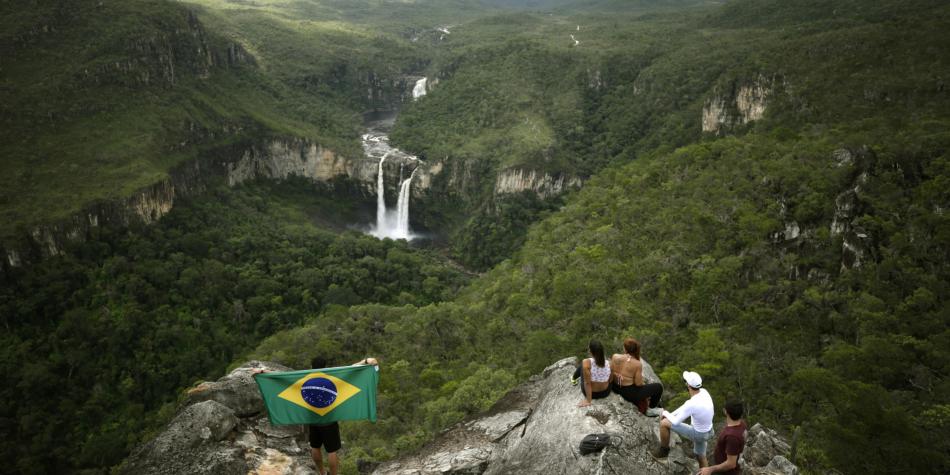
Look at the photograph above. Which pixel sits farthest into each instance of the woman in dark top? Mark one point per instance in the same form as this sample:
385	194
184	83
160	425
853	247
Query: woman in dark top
628	376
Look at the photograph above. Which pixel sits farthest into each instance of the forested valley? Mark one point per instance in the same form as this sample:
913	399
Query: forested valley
757	190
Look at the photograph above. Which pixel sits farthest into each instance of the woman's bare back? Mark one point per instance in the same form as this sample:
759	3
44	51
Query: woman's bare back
628	370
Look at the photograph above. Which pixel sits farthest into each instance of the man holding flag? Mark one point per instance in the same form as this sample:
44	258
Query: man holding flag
321	397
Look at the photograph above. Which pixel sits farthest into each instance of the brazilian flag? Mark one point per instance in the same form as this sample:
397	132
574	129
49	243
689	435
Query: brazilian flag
320	396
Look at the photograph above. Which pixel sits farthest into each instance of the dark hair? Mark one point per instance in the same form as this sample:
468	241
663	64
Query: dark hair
597	350
632	347
734	409
318	362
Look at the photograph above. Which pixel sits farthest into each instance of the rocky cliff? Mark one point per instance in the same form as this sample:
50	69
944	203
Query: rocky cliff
536	428
169	48
544	184
222	429
738	104
275	158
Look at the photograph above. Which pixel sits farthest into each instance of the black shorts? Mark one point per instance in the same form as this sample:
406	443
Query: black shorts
327	436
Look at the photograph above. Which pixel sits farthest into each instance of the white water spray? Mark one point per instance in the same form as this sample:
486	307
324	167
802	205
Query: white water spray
393	224
381	195
402	208
419	89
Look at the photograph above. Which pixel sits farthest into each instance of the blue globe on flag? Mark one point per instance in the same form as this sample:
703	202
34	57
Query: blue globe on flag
319	392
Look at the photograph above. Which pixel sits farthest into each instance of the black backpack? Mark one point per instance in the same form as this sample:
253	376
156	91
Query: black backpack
594	443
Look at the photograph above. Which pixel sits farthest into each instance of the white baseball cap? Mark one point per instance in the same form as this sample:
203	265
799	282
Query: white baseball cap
693	379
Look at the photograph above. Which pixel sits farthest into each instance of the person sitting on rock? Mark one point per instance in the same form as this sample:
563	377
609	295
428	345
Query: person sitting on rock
628	377
596	373
699	409
730	443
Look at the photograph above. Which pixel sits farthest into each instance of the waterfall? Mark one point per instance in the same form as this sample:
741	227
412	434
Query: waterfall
381	196
388	224
402	210
420	89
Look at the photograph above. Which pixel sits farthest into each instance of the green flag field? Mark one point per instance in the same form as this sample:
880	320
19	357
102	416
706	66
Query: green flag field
320	396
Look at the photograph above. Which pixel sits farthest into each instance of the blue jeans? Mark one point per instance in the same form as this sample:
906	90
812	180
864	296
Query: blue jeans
699	438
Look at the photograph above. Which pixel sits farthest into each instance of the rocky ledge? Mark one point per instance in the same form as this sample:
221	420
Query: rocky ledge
537	429
222	428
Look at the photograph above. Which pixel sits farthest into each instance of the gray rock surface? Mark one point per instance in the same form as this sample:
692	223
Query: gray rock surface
536	428
222	428
766	453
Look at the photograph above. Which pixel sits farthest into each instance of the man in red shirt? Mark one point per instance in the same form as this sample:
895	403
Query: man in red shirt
730	443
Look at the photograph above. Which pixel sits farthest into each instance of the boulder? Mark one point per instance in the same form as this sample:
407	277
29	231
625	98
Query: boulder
766	453
237	390
222	428
537	428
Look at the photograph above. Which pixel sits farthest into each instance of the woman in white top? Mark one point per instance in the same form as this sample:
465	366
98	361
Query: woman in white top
597	374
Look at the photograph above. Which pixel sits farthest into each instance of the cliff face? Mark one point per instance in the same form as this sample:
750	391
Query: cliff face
278	158
544	184
149	52
222	428
738	104
165	56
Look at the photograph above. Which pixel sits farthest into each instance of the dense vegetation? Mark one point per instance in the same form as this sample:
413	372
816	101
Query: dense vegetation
98	345
687	251
515	91
799	261
800	264
100	98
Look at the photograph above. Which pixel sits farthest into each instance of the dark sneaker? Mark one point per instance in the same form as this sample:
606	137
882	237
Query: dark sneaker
660	453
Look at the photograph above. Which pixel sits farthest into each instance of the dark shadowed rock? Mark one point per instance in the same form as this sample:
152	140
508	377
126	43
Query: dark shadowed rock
765	453
223	429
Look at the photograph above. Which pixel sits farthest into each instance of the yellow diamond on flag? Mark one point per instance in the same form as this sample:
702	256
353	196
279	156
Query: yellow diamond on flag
319	392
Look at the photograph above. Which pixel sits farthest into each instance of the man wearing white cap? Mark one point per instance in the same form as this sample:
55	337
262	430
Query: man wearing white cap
699	408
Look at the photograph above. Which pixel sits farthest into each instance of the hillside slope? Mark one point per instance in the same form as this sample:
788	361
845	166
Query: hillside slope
102	99
795	255
523	101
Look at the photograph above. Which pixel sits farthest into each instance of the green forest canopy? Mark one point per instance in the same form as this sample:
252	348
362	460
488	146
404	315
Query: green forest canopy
683	239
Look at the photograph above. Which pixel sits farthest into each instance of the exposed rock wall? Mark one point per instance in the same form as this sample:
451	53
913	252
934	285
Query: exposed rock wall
854	238
223	429
739	104
278	158
545	185
164	57
537	427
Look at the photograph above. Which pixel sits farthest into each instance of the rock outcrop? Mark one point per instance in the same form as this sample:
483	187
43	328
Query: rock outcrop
537	428
854	238
737	105
516	180
276	158
222	428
